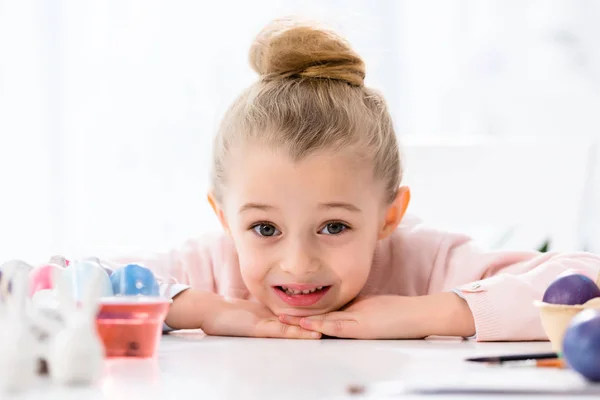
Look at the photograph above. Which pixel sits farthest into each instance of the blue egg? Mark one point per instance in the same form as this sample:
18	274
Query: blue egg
79	274
581	344
133	279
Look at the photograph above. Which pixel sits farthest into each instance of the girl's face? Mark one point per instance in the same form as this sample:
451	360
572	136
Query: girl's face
305	232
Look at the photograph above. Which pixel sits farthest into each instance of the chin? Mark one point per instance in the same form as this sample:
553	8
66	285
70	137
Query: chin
301	312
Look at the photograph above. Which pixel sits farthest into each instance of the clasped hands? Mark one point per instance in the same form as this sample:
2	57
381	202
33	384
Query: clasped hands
367	317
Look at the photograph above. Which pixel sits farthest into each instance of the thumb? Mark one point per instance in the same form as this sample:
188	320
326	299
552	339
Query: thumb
273	328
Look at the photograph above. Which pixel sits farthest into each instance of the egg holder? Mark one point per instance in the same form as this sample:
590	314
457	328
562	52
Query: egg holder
556	318
49	331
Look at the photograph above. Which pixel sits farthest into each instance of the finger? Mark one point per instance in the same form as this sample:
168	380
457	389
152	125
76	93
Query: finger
328	317
275	329
290	319
334	324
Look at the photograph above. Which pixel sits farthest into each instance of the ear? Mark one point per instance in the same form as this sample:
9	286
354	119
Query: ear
63	287
93	292
395	212
218	211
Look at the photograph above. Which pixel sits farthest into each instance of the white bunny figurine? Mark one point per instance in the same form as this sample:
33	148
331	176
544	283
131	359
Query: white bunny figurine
76	354
9	269
18	345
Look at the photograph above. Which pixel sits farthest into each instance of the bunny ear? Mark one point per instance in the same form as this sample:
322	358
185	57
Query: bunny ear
93	291
9	270
19	291
13	265
62	287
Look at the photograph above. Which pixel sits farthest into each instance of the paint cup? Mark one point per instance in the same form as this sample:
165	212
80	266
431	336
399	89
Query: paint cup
130	323
131	326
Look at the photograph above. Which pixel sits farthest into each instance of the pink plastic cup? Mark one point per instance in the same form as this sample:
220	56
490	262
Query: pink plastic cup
131	326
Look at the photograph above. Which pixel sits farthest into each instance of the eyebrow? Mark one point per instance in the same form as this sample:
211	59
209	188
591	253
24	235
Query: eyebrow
255	206
266	207
345	206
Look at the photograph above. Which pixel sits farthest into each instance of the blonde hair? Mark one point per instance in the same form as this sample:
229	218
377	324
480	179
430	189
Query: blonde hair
310	97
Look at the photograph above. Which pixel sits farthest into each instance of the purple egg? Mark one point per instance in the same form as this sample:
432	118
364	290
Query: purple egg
581	344
571	290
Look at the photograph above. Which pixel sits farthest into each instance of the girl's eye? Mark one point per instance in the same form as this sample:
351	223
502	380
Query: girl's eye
266	230
333	228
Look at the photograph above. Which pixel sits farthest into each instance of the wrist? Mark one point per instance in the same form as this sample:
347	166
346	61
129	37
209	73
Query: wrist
454	316
191	308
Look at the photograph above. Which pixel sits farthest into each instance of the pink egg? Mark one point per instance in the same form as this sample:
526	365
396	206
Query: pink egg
40	278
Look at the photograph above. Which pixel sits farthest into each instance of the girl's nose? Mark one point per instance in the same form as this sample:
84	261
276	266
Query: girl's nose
299	260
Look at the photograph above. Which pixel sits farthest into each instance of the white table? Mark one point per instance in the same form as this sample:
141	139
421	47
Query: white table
191	365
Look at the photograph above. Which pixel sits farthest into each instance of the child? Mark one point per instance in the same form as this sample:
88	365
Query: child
306	183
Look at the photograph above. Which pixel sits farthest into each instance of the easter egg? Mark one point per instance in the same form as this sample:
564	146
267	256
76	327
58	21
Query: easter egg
581	344
571	290
40	278
79	273
97	261
133	279
59	260
574	271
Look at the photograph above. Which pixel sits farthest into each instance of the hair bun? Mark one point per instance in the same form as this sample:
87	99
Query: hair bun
286	49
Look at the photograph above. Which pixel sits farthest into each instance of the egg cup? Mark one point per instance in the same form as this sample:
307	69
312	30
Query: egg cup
557	317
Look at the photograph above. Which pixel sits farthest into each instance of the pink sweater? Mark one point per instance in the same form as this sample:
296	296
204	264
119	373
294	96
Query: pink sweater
499	286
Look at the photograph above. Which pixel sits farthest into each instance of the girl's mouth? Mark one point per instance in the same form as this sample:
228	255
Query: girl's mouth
301	295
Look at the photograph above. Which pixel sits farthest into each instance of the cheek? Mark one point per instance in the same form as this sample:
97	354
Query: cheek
253	267
352	264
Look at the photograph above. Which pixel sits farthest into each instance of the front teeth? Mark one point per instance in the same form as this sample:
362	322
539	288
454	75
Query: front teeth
294	291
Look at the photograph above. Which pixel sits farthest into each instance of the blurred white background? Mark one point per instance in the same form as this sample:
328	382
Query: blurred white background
108	108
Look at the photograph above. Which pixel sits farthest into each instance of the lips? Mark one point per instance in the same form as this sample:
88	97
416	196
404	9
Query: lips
298	295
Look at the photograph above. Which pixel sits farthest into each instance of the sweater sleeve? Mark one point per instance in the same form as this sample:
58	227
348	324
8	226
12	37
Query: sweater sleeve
500	286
